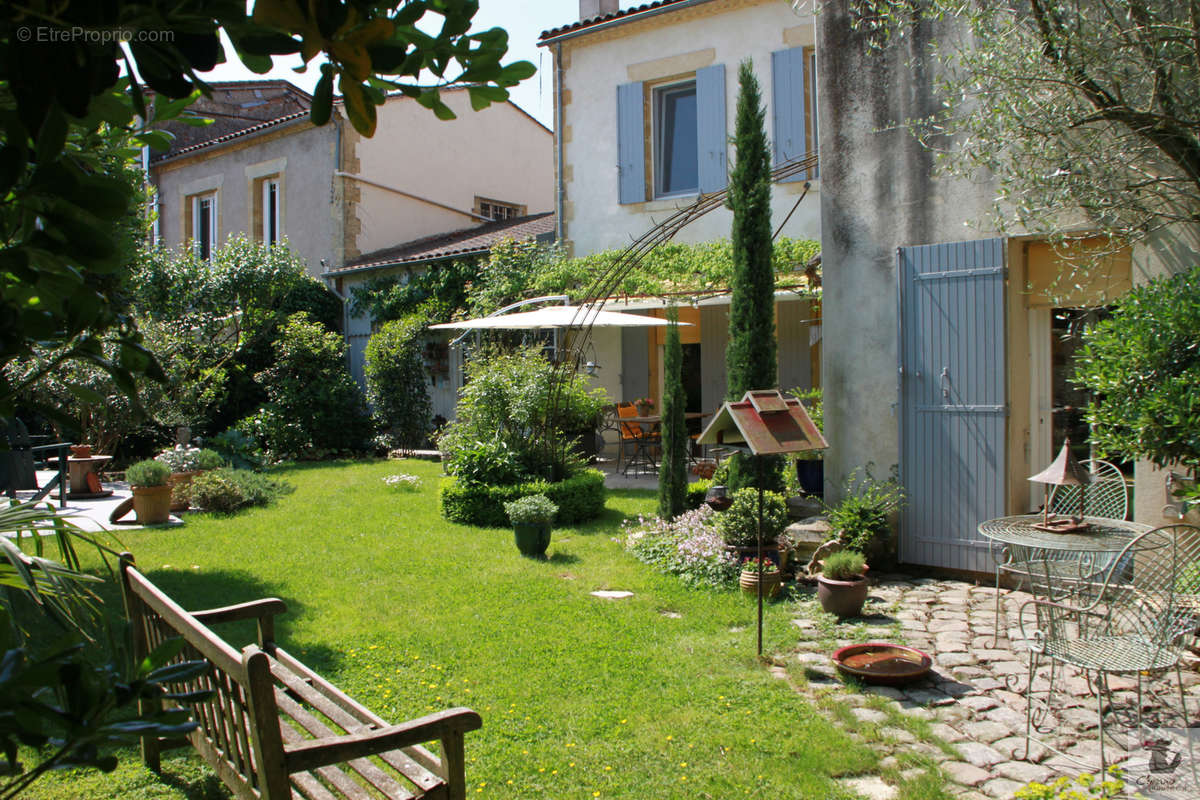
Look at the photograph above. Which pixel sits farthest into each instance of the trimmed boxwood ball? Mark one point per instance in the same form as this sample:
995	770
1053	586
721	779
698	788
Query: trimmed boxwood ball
579	498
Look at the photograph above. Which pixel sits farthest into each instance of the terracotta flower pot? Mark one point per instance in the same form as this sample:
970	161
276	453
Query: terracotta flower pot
177	481
81	450
152	504
843	599
771	580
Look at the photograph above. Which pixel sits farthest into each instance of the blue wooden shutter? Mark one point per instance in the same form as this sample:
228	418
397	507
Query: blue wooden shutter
953	401
787	93
631	144
710	127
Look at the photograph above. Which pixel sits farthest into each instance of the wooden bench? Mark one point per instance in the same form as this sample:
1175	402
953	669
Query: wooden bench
272	728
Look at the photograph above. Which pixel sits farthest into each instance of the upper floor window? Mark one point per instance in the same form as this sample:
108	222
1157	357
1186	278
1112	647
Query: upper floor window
202	224
676	153
268	212
683	149
498	210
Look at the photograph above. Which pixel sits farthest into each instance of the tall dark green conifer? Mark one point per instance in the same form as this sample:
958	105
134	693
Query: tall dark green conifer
750	357
672	473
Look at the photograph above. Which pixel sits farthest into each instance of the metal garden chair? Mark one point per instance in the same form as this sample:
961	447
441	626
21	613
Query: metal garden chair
1129	621
1105	496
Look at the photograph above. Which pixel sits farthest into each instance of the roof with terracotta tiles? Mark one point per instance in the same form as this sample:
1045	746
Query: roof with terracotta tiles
471	241
597	20
262	126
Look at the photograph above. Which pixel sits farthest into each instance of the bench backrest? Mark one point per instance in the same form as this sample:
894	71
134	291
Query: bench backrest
241	709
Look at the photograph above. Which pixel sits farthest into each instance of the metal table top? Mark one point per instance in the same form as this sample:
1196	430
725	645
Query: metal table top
1105	536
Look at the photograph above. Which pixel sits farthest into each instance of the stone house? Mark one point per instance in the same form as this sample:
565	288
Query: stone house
946	347
644	102
262	169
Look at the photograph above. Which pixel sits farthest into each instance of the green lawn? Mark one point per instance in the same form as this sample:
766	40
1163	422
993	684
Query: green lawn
580	697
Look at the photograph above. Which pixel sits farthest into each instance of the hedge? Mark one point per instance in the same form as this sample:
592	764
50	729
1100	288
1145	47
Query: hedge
579	498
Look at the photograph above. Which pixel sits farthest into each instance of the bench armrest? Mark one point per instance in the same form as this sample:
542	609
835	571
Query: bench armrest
313	753
263	610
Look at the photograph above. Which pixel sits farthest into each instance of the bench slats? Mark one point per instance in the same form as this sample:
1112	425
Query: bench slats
419	756
367	770
309	787
419	772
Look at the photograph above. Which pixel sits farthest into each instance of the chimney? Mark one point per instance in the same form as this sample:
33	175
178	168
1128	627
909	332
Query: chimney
597	8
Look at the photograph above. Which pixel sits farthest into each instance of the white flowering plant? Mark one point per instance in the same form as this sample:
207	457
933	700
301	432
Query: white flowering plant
689	546
404	482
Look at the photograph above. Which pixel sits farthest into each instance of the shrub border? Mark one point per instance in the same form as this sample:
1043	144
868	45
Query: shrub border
579	498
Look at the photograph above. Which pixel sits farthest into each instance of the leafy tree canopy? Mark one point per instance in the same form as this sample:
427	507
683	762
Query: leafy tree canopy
61	88
1143	366
1074	106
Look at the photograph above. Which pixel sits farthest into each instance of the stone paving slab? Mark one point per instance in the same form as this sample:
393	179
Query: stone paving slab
974	698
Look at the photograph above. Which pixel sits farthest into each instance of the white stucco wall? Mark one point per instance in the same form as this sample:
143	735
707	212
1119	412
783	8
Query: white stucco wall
500	153
303	156
718	32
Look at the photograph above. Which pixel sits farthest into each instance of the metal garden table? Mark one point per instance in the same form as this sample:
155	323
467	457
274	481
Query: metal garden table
1056	563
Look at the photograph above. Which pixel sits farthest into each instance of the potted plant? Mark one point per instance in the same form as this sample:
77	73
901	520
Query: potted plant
810	464
531	518
771	577
862	520
151	492
186	462
739	524
842	584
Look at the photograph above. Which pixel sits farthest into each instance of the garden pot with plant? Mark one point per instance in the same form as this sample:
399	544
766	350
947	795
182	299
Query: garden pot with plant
810	464
185	463
151	492
739	524
531	518
772	578
842	585
862	521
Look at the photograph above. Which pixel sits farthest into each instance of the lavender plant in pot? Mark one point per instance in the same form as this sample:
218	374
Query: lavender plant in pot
842	585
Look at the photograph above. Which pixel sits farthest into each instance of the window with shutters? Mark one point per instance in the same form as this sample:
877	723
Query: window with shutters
671	138
268	209
676	156
794	94
202	224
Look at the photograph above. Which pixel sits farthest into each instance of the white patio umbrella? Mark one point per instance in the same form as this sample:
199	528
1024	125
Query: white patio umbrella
556	317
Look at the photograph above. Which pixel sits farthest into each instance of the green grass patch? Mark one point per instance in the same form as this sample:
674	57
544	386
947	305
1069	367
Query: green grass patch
580	697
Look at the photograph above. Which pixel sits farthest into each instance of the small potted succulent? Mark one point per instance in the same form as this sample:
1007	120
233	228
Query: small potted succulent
151	492
185	463
842	584
531	518
771	577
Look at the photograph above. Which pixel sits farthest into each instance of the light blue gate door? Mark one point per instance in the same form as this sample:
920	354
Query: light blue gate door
953	400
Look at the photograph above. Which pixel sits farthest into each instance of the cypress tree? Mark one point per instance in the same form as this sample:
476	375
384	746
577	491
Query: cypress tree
672	473
750	356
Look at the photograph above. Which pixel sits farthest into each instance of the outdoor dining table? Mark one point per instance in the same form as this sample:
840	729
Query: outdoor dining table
1055	563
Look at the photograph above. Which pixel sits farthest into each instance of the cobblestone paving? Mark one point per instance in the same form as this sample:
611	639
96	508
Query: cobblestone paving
974	699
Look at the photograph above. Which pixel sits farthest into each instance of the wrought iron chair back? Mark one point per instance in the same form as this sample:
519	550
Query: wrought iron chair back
1105	496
